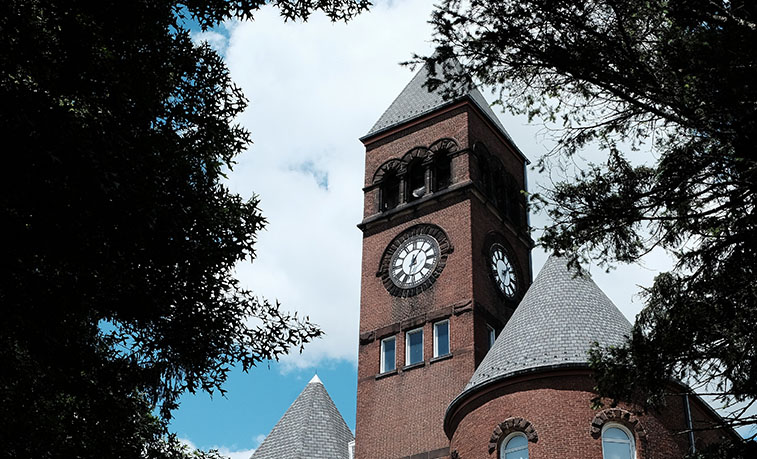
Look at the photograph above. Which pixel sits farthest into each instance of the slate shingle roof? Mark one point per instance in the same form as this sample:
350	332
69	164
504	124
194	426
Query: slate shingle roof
415	101
312	428
554	325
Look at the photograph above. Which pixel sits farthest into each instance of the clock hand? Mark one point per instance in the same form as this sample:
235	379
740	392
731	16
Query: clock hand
412	261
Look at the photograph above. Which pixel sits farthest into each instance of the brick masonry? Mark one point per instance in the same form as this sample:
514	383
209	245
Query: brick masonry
400	414
557	405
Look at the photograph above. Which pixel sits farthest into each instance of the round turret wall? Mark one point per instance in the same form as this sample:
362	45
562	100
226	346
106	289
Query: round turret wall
553	409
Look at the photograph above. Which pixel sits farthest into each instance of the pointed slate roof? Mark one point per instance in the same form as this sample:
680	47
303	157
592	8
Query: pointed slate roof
554	325
416	100
312	428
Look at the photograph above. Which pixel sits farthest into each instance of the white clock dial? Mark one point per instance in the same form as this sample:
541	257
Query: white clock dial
503	271
414	261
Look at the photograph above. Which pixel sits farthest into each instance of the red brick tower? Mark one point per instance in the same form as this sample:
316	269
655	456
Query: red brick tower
446	258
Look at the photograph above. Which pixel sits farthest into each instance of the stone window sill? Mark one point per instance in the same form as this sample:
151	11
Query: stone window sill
415	365
388	373
440	358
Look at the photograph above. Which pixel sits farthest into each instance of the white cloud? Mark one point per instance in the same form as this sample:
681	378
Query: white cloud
314	89
241	454
217	41
231	453
188	443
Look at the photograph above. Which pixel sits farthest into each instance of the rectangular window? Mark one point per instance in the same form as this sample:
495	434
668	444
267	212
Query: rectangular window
491	334
388	361
441	338
414	346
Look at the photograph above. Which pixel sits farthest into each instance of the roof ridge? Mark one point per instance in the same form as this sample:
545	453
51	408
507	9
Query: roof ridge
311	421
415	100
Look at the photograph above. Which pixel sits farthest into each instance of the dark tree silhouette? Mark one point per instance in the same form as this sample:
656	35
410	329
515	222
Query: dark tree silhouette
116	277
678	76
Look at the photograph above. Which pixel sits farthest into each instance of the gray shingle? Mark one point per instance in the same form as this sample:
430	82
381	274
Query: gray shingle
312	428
415	101
555	324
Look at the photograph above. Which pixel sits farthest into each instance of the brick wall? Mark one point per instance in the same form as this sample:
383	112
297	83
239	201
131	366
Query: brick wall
400	414
557	406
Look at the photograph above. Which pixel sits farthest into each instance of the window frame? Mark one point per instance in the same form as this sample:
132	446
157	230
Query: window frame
625	430
407	346
503	444
382	358
436	339
491	335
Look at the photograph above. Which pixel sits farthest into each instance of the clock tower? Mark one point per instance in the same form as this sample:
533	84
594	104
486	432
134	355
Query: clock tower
446	258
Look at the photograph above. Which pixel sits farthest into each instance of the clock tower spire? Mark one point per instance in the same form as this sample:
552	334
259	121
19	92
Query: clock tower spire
446	258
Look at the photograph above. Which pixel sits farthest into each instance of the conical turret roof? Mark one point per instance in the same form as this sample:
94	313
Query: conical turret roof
555	324
416	100
312	428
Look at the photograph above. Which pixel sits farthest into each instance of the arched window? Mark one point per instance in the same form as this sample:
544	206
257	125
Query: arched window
485	174
442	171
514	446
389	192
499	195
617	442
416	180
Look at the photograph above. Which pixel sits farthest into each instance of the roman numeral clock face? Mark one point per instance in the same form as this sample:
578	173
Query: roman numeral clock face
503	271
414	261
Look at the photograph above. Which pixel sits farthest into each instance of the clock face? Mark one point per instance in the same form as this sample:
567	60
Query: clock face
503	271
414	261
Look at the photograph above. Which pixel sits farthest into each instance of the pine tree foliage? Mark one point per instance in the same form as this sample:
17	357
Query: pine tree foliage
677	77
116	268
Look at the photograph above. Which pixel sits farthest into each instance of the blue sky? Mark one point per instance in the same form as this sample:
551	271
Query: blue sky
238	422
314	89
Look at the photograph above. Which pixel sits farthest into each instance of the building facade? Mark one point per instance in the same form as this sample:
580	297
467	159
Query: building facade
462	354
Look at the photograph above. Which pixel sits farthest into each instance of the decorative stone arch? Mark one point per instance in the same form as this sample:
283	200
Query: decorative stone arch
393	166
480	149
444	146
389	179
417	153
626	419
441	163
509	426
417	173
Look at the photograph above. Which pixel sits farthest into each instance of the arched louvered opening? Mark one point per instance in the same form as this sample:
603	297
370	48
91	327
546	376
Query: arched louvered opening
389	191
442	170
485	174
415	180
499	194
514	205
